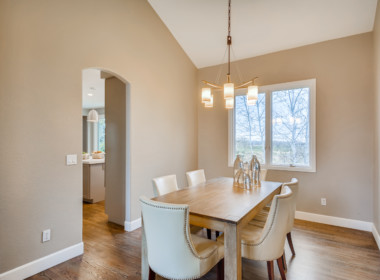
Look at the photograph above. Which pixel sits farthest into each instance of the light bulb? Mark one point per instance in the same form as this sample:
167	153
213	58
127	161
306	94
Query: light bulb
230	103
228	90
253	93
93	116
210	104
206	95
251	102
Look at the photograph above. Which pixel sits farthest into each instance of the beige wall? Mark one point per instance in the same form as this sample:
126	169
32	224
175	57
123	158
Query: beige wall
44	45
376	196
116	149
345	121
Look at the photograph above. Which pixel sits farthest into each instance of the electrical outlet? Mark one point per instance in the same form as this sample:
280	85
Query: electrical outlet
46	235
323	201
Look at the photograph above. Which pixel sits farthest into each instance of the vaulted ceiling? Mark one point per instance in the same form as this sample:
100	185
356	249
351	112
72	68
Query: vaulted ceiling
260	26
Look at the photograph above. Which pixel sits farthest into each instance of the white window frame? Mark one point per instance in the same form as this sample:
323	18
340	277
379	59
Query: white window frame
311	83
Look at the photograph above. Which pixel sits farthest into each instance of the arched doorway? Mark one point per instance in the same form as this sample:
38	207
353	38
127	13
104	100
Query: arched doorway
114	115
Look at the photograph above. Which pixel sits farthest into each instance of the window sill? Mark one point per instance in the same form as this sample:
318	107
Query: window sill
292	169
286	168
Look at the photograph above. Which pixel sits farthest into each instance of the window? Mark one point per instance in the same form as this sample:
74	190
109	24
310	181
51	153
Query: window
279	129
101	133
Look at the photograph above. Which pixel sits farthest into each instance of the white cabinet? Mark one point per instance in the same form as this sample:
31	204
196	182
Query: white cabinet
93	182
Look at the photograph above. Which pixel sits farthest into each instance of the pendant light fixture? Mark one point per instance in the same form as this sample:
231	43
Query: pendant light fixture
229	87
93	116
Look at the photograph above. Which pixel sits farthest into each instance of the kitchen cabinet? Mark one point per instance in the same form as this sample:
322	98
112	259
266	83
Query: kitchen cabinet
93	180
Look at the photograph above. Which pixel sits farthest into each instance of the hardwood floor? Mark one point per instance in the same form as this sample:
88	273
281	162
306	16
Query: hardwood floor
323	252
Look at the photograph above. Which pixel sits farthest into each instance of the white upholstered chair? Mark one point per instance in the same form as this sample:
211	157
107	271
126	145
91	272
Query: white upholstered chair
261	217
172	251
165	184
267	244
195	177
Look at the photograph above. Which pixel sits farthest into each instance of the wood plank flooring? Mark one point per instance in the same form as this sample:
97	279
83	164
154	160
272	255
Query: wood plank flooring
323	252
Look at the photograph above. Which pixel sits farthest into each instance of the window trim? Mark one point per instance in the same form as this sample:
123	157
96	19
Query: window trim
268	89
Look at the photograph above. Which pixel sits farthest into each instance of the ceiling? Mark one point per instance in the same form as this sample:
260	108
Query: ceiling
260	26
93	88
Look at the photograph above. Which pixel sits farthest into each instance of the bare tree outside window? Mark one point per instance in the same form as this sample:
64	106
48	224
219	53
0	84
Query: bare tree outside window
250	128
290	127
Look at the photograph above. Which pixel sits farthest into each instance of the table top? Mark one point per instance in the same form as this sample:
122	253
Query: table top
218	199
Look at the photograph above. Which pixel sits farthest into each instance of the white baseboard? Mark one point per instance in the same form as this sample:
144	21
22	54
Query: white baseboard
131	226
376	235
43	263
335	221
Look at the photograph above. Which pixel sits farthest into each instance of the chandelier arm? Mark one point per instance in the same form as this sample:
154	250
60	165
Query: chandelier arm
252	81
212	85
243	85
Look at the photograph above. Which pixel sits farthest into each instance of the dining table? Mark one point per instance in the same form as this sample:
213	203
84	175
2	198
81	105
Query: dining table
219	205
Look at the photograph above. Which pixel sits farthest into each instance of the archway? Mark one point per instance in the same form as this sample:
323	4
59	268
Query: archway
116	92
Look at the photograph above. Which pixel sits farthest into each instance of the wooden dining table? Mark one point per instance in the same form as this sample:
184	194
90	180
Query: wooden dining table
217	204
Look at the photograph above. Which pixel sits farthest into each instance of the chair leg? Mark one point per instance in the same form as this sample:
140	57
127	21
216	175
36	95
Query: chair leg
270	270
152	274
220	271
281	267
209	233
290	241
284	262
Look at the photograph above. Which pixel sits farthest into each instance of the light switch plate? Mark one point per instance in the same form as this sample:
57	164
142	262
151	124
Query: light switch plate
71	159
46	235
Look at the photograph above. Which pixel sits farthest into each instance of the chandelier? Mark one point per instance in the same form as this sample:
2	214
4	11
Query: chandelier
229	87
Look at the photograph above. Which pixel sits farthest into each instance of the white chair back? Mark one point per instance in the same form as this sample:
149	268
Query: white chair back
171	253
293	185
195	177
270	245
165	184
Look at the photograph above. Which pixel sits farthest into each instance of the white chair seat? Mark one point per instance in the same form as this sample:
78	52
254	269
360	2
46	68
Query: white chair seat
250	234
209	251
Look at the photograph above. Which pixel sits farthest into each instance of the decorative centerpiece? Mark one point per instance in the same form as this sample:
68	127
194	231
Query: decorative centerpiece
247	176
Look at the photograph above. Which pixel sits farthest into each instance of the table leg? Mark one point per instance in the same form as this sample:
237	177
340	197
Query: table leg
232	252
144	255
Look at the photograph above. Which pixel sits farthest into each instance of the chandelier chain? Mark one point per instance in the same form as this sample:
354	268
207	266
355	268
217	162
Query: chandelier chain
221	66
240	76
229	41
229	17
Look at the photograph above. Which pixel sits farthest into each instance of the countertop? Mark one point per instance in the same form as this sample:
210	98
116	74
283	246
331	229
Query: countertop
93	161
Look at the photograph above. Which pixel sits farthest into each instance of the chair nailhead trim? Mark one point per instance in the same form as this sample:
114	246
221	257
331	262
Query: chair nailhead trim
186	231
